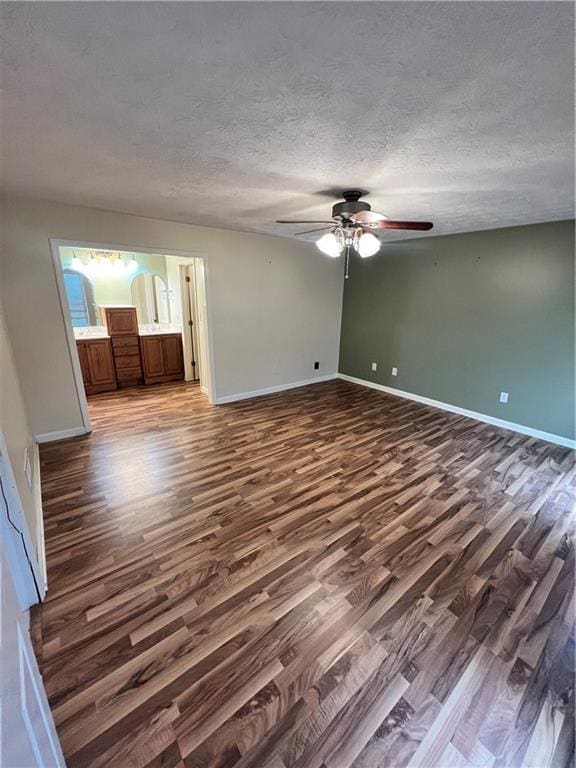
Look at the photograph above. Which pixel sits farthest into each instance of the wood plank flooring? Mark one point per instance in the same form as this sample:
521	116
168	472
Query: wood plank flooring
325	578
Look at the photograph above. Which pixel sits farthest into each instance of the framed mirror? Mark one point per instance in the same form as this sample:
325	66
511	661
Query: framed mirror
81	301
150	297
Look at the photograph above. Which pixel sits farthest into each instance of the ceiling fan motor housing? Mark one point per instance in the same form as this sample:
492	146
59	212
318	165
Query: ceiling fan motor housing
351	205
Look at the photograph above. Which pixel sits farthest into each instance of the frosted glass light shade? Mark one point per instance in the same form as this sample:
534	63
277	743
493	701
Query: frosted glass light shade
368	245
330	245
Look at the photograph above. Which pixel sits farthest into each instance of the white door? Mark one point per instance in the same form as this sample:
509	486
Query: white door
202	321
27	735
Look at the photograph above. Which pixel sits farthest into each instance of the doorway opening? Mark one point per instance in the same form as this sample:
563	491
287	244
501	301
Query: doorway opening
134	317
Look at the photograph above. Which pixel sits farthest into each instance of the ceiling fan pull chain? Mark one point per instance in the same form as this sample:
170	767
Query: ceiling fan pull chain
346	275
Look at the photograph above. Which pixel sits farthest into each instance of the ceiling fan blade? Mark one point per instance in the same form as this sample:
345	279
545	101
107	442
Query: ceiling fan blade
368	217
387	224
303	221
309	231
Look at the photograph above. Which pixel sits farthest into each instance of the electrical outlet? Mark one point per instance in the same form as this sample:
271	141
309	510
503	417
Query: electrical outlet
394	371
374	366
503	397
316	366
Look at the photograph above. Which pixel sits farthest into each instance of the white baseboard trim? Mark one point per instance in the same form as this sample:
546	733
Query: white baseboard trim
549	437
272	390
63	434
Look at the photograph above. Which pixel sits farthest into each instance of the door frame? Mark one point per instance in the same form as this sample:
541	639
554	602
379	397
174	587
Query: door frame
22	586
188	338
57	243
19	549
192	341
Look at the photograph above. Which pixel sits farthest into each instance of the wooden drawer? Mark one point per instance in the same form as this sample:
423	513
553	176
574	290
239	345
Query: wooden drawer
127	352
120	343
127	361
128	374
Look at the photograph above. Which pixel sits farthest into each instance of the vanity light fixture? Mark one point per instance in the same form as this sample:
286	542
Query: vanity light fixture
105	261
118	263
92	262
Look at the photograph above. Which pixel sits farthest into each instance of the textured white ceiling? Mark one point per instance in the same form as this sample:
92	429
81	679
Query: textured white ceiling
235	114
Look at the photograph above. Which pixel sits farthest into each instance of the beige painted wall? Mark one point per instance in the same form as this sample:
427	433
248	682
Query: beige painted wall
18	436
276	303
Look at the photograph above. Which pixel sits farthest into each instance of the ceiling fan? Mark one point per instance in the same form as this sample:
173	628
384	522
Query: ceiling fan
352	226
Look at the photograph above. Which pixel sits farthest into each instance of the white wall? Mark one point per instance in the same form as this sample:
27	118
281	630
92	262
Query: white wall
276	303
18	436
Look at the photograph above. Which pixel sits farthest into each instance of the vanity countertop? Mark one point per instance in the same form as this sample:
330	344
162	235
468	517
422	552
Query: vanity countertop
154	329
99	331
90	332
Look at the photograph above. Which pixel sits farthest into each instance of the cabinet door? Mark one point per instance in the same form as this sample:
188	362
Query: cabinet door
172	348
152	356
121	321
99	353
84	362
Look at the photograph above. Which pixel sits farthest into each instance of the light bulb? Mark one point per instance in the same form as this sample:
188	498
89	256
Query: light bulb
76	263
330	245
133	264
368	245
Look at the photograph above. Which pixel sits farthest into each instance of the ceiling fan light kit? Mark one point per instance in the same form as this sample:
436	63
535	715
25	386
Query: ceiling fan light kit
368	244
330	244
351	228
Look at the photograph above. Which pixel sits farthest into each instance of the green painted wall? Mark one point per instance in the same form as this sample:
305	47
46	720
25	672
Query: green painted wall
112	288
464	317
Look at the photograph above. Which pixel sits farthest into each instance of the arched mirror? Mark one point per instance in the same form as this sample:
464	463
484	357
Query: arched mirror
150	297
81	301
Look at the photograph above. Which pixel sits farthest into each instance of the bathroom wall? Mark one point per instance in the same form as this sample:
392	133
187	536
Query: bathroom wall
113	286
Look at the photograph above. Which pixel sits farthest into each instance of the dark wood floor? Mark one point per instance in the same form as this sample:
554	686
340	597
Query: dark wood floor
324	578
